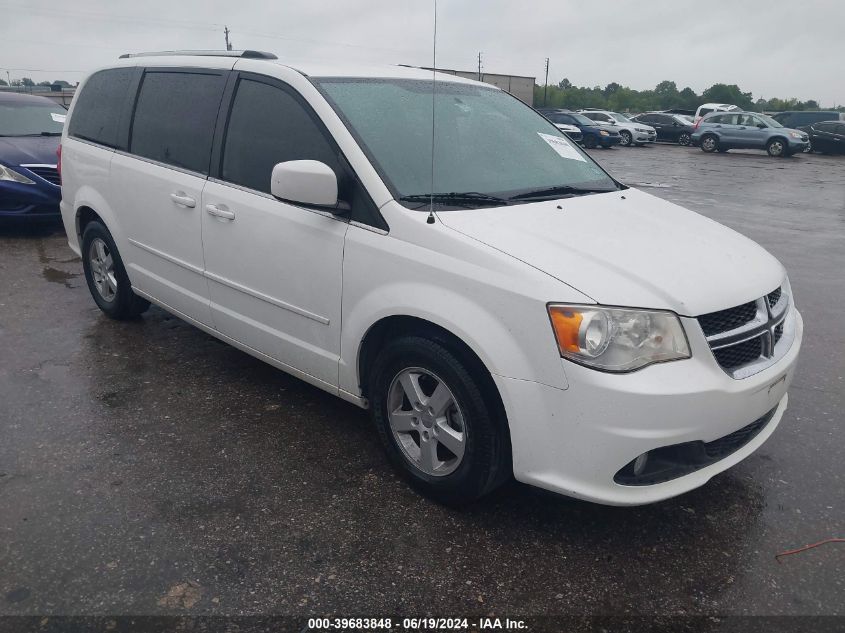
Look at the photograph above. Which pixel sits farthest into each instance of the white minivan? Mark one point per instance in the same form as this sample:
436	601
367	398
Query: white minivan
432	249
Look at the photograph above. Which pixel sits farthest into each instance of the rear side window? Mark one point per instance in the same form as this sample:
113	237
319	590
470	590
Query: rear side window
704	111
175	116
98	108
268	125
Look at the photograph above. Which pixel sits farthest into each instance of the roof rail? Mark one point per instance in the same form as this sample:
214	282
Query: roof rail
246	54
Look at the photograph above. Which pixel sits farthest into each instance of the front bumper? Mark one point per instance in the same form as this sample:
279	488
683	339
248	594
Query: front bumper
609	141
574	441
644	137
797	145
18	200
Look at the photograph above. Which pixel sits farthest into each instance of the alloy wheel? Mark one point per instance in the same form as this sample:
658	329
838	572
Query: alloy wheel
426	421
102	269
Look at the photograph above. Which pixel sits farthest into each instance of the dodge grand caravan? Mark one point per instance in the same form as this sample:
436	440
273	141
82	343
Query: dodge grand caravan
501	304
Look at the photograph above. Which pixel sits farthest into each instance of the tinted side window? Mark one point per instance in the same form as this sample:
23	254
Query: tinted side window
824	127
175	116
715	119
704	111
96	114
840	129
268	125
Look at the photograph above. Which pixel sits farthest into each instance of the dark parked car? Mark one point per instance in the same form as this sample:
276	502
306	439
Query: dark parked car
592	134
722	131
30	129
798	118
671	128
827	137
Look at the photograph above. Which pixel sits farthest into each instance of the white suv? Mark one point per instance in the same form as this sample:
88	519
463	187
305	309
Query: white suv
632	132
503	306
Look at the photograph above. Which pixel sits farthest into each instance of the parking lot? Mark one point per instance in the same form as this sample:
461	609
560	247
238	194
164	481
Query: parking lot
147	468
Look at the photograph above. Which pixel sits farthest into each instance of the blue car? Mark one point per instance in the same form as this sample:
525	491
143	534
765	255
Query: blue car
30	131
592	134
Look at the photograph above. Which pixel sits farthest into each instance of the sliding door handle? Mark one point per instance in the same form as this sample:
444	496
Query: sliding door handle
183	200
220	211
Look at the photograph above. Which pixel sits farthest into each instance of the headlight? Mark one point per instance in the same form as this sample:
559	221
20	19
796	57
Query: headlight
604	132
617	339
795	134
12	175
641	129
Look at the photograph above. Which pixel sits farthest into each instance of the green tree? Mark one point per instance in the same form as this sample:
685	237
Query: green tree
724	93
26	81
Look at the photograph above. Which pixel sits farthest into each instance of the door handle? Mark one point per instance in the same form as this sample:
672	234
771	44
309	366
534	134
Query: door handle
183	200
220	211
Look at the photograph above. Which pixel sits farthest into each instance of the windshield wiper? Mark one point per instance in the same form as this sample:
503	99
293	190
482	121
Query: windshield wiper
460	198
34	134
561	190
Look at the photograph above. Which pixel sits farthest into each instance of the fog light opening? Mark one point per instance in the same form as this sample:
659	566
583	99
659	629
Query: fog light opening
640	463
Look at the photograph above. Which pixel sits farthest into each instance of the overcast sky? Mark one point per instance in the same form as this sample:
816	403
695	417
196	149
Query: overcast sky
772	48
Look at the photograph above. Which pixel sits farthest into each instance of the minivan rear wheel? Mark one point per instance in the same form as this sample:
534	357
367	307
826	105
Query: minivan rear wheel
440	427
106	276
709	143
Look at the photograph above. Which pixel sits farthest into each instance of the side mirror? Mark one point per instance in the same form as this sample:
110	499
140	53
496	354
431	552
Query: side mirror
306	182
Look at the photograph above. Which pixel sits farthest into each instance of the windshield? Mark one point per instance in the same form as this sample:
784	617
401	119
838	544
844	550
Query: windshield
485	141
769	120
31	119
619	117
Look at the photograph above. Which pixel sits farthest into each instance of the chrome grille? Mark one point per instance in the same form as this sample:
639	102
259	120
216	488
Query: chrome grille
729	319
48	172
750	337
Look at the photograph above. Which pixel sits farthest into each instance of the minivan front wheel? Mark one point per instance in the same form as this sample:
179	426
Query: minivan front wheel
437	421
684	139
709	143
106	276
776	147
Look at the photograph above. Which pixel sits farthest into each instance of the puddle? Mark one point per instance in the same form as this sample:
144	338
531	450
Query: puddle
57	276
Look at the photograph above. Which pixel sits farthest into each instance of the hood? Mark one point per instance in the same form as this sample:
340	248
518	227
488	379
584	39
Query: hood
629	248
21	150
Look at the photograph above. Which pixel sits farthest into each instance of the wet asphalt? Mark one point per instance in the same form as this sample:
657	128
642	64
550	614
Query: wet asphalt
146	468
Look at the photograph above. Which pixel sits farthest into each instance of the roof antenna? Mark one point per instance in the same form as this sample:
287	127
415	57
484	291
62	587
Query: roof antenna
430	219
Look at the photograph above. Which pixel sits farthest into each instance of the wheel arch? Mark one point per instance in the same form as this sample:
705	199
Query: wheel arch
390	327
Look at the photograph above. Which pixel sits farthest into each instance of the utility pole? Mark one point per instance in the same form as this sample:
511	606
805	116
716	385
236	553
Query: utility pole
479	66
546	88
226	33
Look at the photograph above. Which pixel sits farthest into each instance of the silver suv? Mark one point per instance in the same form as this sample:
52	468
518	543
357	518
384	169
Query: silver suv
722	131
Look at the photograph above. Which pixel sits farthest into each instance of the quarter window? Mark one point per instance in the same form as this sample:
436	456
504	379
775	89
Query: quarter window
96	113
175	116
268	125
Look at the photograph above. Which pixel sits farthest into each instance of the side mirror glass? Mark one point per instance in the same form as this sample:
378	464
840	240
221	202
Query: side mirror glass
307	182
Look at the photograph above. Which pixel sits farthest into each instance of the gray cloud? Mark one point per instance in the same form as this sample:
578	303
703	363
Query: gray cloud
768	48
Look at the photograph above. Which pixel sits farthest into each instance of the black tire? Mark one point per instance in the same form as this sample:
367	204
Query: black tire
777	148
709	143
627	139
684	139
590	141
124	304
486	460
